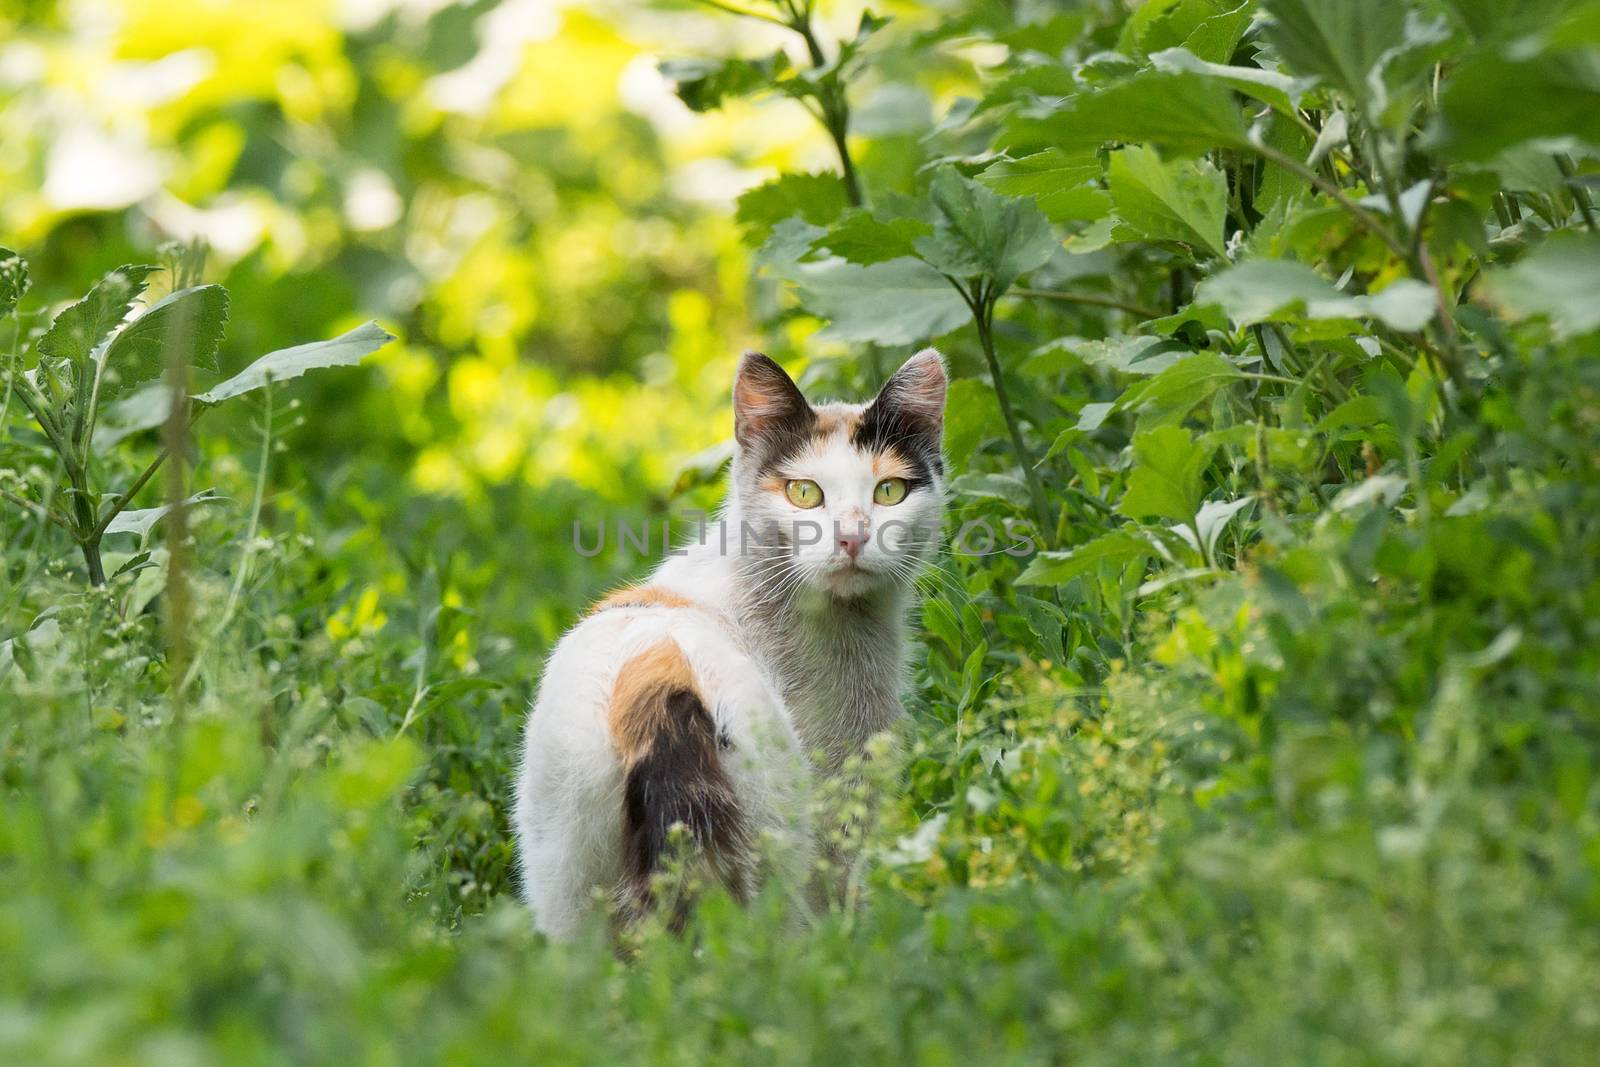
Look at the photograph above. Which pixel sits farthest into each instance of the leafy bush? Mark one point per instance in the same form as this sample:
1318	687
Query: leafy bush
1272	327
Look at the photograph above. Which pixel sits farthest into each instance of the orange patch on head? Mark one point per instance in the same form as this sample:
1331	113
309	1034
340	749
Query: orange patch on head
639	703
643	596
891	464
834	419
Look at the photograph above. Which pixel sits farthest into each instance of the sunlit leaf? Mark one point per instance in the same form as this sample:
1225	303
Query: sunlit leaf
194	319
140	522
1115	549
77	330
1167	479
1064	186
1186	112
346	350
861	237
819	199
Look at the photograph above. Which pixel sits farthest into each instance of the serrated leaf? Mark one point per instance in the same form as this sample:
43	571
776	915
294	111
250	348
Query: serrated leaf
1339	41
1264	290
1557	95
1185	112
77	330
143	409
346	350
1168	475
1179	200
1115	549
979	233
141	521
1560	280
194	318
902	301
1062	185
861	237
817	198
14	280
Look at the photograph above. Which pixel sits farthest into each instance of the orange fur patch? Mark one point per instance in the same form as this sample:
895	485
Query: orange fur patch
890	464
639	697
831	421
642	596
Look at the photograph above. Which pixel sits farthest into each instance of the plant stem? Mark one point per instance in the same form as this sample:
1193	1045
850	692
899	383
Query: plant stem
1090	299
1356	211
982	305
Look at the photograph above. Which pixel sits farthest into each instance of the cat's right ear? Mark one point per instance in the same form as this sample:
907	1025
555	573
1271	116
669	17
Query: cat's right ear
767	405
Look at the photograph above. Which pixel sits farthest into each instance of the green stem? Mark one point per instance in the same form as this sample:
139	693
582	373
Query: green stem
1580	195
982	305
37	510
1367	219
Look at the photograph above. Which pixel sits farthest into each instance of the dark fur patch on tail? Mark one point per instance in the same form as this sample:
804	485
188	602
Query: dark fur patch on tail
673	777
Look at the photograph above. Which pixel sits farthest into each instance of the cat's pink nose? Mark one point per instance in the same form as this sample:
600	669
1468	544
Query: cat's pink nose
852	542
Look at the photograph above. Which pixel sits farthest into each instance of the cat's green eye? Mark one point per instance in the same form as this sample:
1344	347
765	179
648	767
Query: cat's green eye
804	493
890	491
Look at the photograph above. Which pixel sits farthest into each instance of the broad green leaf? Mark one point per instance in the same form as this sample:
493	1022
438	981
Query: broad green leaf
193	318
1557	95
1178	389
346	350
77	330
1006	487
1560	280
1278	91
1490	20
1062	185
817	198
861	237
1214	25
1115	549
1168	475
902	301
979	233
1179	200
704	467
141	522
13	280
1125	355
1189	113
1338	41
1264	290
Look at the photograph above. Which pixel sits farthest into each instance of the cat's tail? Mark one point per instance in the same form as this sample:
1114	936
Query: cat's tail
673	777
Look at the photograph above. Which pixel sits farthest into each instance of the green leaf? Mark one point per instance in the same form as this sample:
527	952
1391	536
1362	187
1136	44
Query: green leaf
1182	200
1265	290
861	237
1168	475
703	84
1557	95
902	301
346	350
194	318
1278	91
979	233
1338	41
1062	185
1188	113
13	280
1177	390
1560	280
1005	487
140	522
971	413
144	408
704	467
817	198
1115	549
77	330
1126	355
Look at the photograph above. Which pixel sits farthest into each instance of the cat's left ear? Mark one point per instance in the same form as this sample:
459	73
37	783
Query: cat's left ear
913	397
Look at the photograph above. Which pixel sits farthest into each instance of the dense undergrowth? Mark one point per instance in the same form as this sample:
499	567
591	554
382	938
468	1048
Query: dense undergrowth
1274	329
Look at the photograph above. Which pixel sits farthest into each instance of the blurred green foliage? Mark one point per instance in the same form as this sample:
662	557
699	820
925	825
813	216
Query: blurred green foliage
1274	321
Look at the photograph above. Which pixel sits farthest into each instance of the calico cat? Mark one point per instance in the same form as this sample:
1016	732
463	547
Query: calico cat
769	651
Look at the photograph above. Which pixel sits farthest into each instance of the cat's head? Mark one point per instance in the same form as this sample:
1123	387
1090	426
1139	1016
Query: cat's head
846	498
